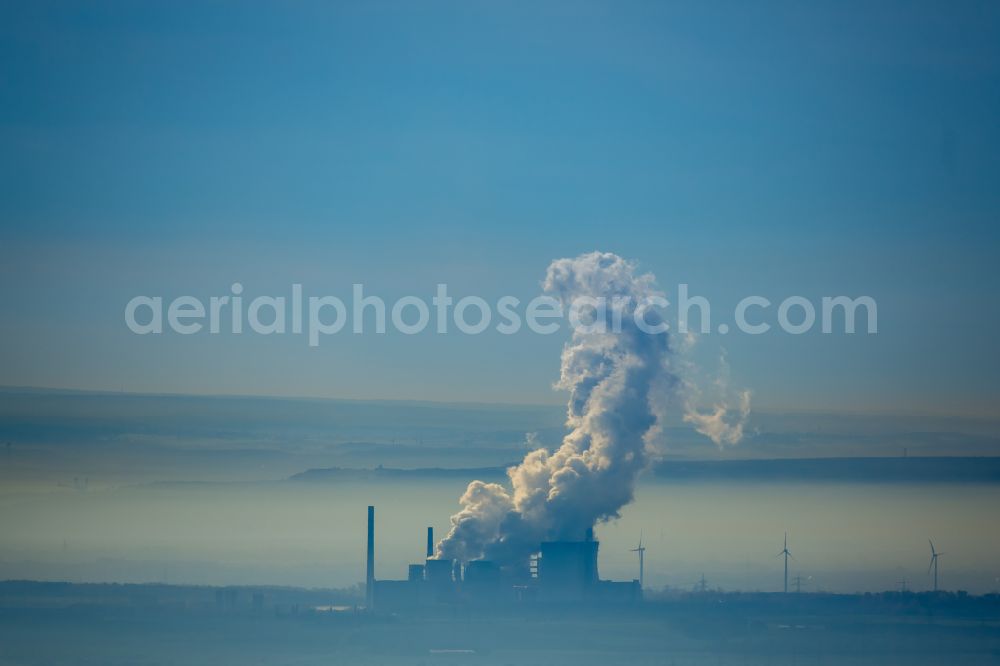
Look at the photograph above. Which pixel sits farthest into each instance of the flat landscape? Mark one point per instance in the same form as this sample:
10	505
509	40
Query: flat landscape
56	624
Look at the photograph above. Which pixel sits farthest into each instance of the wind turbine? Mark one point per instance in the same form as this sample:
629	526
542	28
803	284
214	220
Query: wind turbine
934	563
642	552
787	554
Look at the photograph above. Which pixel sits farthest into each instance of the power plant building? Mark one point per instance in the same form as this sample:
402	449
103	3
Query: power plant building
560	572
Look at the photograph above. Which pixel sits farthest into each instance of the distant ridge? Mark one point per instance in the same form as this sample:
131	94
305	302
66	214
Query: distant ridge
913	469
867	470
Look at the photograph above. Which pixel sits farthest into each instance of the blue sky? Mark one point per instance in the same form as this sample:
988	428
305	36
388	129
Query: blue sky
767	148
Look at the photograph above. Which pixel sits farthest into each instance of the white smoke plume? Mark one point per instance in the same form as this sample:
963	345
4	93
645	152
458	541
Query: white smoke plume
619	378
723	423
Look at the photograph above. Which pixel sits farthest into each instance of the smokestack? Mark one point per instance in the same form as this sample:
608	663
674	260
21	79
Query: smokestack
430	542
370	573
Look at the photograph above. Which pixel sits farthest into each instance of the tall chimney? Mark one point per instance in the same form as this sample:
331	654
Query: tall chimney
370	573
430	542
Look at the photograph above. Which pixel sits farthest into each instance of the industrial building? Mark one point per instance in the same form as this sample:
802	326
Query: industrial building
560	572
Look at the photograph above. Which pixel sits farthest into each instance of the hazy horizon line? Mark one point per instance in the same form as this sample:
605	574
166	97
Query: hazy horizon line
13	388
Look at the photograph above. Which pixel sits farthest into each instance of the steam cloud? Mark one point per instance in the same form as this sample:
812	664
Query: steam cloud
619	378
722	424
